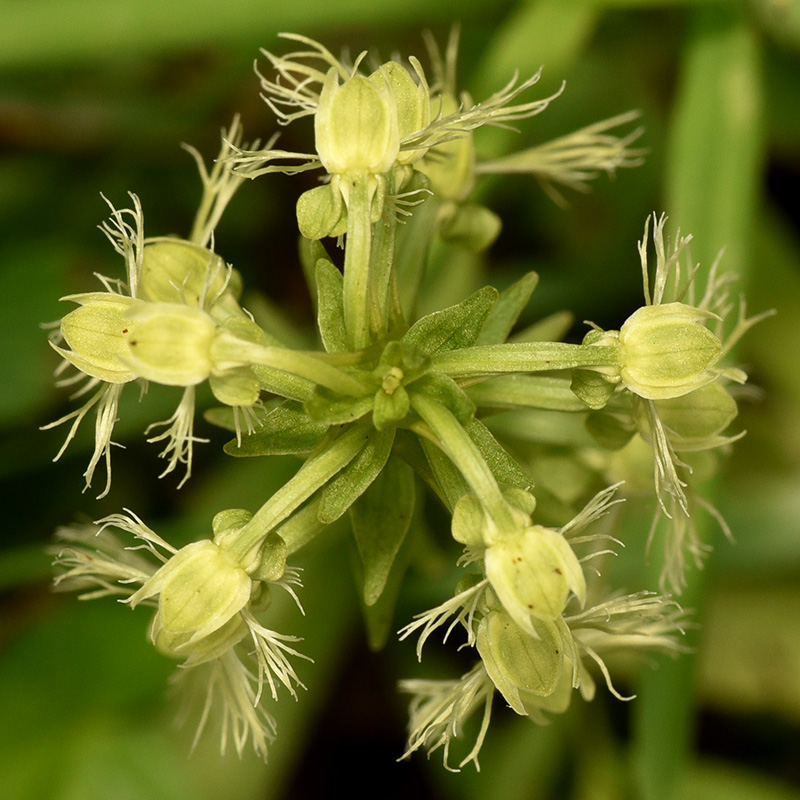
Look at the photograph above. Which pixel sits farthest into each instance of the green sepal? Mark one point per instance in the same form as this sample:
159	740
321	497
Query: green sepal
504	468
381	517
455	327
591	388
349	484
469	225
286	430
611	429
507	309
236	387
446	391
319	211
271	559
330	306
334	409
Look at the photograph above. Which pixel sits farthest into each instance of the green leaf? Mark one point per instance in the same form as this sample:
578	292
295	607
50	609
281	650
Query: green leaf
286	430
330	306
447	392
507	309
455	327
504	468
381	518
333	409
343	490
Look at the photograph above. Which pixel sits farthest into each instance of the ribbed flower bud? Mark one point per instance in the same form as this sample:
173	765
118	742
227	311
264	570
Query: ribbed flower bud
412	104
696	420
533	573
666	351
171	344
96	333
356	126
451	165
523	667
178	271
201	591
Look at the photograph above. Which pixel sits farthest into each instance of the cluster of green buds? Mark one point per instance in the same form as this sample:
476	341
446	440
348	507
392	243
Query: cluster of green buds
392	400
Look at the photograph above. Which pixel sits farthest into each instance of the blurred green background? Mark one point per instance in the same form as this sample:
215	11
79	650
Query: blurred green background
96	95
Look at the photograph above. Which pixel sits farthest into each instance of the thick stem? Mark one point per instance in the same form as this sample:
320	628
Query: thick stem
228	351
462	451
495	359
358	196
313	475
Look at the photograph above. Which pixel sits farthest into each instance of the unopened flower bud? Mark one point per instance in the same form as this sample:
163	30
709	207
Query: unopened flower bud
450	166
533	572
523	666
201	590
356	126
178	271
695	420
666	351
171	344
96	333
411	101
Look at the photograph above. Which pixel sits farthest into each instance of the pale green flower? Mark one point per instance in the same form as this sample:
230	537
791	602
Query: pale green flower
206	613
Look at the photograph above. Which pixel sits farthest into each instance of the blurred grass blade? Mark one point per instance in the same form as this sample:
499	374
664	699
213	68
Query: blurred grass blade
716	149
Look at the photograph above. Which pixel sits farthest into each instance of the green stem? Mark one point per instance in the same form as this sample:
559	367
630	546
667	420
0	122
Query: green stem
383	247
526	391
462	451
230	351
313	475
524	357
357	260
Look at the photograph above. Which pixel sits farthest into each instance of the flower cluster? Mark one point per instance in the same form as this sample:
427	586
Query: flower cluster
526	615
391	400
207	602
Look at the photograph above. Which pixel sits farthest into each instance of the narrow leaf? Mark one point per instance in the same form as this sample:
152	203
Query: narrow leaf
455	327
343	490
507	309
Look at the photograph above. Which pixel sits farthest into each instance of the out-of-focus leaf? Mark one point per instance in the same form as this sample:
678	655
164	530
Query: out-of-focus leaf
750	655
58	30
716	149
717	781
